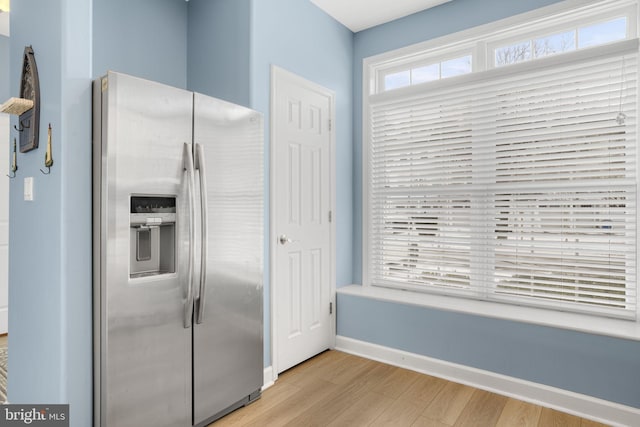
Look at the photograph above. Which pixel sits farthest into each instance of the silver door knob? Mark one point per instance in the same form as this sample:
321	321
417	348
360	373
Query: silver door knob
284	239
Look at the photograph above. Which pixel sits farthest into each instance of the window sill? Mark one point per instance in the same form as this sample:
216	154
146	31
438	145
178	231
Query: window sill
617	328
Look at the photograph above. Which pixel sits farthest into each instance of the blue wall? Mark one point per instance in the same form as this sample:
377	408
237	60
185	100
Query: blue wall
604	367
50	240
35	258
219	49
299	37
144	38
50	237
4	69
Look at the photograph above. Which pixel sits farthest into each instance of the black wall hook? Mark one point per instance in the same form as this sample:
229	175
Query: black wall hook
22	126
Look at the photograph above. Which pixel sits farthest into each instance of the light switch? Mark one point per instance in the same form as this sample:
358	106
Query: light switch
28	188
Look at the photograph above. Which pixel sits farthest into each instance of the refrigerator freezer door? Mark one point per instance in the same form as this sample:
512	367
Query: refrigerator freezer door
143	353
228	364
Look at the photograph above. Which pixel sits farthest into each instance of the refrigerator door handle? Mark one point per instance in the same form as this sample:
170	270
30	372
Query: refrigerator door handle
189	170
204	217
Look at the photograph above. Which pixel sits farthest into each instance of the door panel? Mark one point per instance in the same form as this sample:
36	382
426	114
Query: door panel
145	350
302	198
228	363
293	183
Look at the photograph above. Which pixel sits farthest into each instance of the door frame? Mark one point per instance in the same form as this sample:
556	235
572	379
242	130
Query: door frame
278	73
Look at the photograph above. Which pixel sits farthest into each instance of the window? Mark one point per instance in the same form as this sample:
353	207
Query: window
597	34
426	73
594	25
515	184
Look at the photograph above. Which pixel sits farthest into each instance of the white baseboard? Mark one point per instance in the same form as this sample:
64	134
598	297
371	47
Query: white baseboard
551	397
268	379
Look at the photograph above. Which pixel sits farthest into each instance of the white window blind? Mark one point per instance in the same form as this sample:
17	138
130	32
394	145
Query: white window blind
516	185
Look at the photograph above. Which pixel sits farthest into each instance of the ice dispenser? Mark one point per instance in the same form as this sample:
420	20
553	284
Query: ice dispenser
152	225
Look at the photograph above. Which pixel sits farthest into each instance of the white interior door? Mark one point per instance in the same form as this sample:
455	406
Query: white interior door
4	223
303	283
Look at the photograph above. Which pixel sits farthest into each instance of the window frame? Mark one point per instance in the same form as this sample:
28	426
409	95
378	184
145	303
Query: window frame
449	54
481	42
542	29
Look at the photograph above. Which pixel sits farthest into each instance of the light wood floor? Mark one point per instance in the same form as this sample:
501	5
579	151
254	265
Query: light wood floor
338	389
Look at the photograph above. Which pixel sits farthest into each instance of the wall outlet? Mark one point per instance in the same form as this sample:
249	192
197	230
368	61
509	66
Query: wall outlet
28	188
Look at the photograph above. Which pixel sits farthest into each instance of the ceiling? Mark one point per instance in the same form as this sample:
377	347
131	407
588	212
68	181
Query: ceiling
358	15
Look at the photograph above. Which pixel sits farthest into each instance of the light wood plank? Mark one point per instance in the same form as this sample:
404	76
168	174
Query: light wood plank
423	390
323	412
299	403
312	369
270	398
449	403
517	413
338	389
349	370
553	418
399	413
428	422
397	383
375	374
589	423
484	409
363	412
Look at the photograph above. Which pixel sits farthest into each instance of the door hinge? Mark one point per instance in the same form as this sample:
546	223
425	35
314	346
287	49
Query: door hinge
330	308
330	124
330	216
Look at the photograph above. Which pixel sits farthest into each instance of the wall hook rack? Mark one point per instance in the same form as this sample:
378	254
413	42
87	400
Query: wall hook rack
27	106
30	90
48	155
14	160
22	127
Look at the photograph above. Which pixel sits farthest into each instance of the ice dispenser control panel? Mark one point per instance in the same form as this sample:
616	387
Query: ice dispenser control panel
152	231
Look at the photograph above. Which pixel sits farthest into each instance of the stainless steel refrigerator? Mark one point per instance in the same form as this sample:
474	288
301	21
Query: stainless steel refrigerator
178	255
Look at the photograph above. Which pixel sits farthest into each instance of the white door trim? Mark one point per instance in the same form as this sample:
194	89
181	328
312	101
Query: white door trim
280	73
